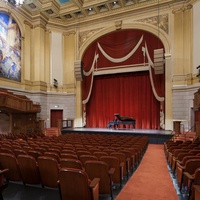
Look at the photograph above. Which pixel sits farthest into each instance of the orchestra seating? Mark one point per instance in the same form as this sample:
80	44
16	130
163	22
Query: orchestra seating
82	148
75	184
183	158
49	169
3	184
29	169
9	161
38	159
193	179
99	169
113	162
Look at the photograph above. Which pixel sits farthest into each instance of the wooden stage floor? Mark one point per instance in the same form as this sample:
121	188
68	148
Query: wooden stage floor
155	136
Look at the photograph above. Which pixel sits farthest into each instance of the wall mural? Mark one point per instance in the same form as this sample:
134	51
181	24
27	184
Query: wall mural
10	48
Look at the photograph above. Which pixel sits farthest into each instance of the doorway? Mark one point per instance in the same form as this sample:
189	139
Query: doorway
55	116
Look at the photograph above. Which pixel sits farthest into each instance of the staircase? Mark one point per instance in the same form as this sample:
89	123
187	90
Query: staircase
54	131
188	136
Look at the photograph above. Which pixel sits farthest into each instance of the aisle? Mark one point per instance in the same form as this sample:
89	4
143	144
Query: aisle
151	180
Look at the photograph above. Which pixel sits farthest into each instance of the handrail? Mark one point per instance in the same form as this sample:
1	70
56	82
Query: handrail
185	134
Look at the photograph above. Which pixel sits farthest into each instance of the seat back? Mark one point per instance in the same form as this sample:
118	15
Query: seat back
48	168
182	155
19	152
29	169
98	154
190	166
34	154
3	184
82	152
197	176
6	150
84	158
128	156
8	161
71	163
68	155
73	184
52	155
108	151
186	158
68	151
54	150
122	158
99	169
40	149
195	182
113	162
194	151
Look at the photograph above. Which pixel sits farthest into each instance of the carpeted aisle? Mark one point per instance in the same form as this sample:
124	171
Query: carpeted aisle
151	180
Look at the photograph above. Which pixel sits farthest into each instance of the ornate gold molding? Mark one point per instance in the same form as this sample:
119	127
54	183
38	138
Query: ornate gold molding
69	33
182	8
118	25
48	31
161	21
39	26
83	36
28	23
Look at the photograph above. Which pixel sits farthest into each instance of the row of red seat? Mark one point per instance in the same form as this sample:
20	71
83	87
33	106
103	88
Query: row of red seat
184	161
124	152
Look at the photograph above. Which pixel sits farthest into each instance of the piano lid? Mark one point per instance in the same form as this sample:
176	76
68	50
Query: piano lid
124	118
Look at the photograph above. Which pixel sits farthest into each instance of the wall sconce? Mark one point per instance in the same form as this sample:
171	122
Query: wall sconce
198	71
55	83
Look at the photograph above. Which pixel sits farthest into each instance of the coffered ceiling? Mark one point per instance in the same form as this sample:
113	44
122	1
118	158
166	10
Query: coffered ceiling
69	11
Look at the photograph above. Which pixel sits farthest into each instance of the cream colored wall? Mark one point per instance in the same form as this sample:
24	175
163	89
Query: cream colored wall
56	58
183	104
182	44
186	59
196	37
43	55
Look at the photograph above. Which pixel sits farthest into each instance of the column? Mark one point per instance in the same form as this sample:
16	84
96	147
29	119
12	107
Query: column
182	44
68	61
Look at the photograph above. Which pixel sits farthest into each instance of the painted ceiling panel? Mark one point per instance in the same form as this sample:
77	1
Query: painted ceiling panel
63	1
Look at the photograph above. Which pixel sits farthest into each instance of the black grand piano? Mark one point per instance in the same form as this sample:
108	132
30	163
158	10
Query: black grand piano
124	120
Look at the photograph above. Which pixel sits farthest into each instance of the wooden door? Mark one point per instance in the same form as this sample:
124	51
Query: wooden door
55	116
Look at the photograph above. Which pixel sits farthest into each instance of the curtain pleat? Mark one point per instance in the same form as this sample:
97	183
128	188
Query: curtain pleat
127	94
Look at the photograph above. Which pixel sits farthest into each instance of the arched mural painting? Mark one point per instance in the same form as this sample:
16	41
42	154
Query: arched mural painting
10	48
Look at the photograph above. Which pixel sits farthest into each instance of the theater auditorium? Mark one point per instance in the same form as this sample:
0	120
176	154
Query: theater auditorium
99	99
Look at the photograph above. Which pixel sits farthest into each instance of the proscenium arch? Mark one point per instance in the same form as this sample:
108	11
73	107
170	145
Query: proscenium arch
168	68
137	25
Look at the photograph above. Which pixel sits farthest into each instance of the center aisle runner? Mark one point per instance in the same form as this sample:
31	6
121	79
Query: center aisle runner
151	180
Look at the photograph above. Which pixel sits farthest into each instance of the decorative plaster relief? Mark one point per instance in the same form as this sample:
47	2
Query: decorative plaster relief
183	8
161	21
39	26
83	36
69	33
28	23
118	25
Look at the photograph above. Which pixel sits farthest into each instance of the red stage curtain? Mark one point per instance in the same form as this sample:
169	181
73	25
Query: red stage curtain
127	94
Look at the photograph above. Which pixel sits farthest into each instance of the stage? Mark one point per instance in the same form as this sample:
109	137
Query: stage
155	136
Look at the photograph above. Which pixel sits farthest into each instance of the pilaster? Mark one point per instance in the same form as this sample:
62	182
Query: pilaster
68	60
182	44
